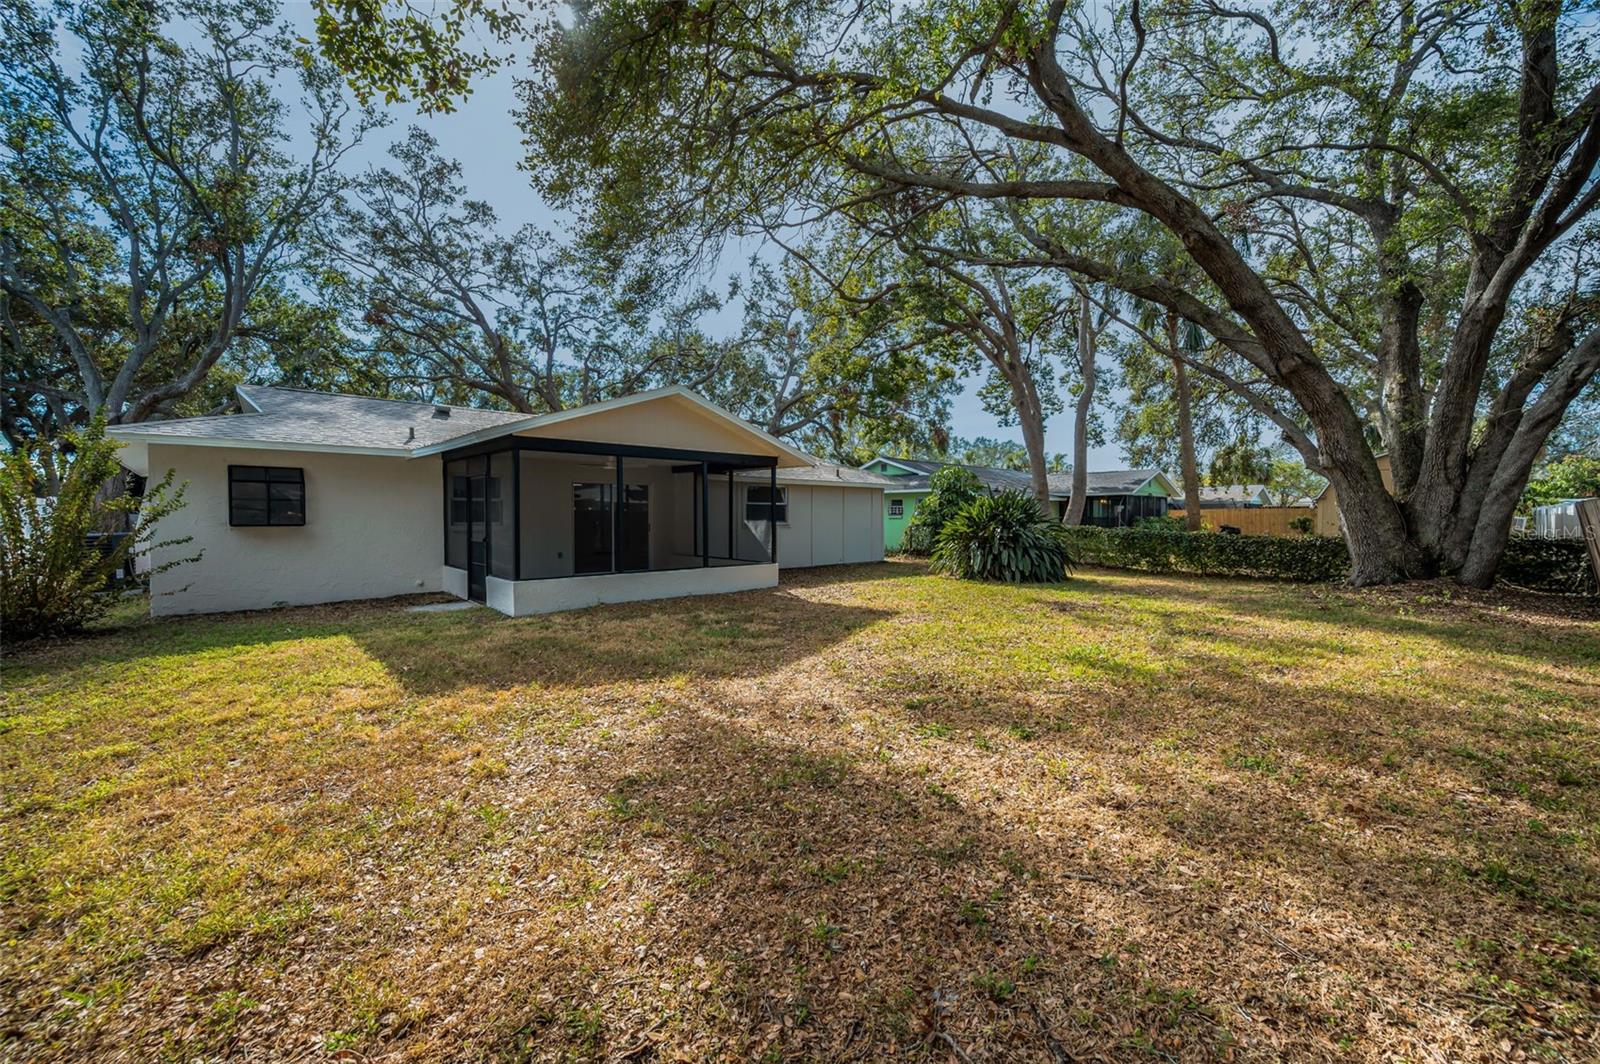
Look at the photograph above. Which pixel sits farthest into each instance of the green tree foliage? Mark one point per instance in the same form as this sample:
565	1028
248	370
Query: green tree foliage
814	363
1014	323
1003	537
1001	454
1242	461
1455	170
152	200
1289	482
52	497
952	488
454	308
406	51
1573	476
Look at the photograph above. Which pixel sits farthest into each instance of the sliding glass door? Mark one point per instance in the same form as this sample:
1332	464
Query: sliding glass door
592	528
596	547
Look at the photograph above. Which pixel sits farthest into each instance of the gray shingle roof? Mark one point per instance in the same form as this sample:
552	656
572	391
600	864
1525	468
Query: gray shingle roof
825	473
1230	494
293	416
991	477
1109	482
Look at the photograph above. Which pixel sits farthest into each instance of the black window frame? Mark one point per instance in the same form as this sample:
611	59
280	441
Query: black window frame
757	511
269	478
897	508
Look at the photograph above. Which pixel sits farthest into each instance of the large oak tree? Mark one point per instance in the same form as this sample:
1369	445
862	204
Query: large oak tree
1388	206
1368	195
153	200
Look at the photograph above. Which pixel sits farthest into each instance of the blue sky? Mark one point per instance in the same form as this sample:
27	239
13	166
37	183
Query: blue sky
483	136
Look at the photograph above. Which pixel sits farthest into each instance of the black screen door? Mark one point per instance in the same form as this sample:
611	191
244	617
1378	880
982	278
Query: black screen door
633	553
477	527
591	528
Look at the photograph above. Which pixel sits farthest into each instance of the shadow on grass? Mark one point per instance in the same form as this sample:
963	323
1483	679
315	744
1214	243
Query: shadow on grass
708	637
1416	810
1402	611
793	901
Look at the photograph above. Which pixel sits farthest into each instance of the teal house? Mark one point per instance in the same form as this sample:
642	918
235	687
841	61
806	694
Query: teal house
1116	498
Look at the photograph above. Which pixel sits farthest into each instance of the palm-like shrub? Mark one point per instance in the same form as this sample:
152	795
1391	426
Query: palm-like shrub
52	578
950	490
1003	537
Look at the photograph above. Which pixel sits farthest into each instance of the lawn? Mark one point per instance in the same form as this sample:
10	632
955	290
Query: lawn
870	813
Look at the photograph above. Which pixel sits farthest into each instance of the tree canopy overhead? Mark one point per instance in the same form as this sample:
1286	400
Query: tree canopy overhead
153	202
1384	209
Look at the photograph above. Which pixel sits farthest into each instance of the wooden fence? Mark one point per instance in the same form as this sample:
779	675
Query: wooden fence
1251	520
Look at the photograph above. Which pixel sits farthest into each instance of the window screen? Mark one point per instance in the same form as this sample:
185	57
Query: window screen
266	495
757	500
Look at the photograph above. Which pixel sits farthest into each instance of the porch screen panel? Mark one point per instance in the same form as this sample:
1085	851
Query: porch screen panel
500	496
458	514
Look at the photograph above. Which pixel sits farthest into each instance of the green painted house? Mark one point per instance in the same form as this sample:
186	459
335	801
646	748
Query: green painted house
1116	498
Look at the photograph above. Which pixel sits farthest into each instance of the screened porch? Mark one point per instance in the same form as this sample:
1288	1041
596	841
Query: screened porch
534	524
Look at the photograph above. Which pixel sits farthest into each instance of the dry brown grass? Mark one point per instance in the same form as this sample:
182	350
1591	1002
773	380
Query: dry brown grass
871	813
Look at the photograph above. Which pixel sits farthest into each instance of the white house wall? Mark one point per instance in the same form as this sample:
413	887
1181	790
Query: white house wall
861	514
831	526
373	529
519	598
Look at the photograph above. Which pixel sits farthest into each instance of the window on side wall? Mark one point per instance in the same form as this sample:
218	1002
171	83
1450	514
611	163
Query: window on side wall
897	507
266	495
758	500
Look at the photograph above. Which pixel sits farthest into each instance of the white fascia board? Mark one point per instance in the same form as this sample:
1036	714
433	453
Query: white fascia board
254	445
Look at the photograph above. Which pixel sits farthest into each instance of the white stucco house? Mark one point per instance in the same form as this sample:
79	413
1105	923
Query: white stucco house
306	497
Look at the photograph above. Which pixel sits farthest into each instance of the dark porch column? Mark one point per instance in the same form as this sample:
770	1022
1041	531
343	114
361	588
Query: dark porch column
705	515
618	526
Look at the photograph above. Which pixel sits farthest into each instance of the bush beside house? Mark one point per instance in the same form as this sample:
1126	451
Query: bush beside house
950	489
1003	537
54	572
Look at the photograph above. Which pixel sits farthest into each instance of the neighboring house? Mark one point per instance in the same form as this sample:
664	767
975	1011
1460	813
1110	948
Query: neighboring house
1116	498
1231	495
308	497
1326	520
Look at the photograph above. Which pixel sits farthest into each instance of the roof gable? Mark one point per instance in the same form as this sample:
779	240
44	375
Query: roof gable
892	467
672	417
296	419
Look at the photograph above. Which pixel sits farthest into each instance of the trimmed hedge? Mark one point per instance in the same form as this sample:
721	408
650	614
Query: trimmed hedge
1553	565
1560	565
1305	558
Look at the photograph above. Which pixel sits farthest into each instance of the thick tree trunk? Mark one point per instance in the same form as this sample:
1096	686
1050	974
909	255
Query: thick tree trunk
1030	417
1080	423
1402	409
1038	469
1382	549
1185	403
1492	524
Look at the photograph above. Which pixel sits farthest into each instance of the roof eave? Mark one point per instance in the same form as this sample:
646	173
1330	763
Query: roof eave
240	444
